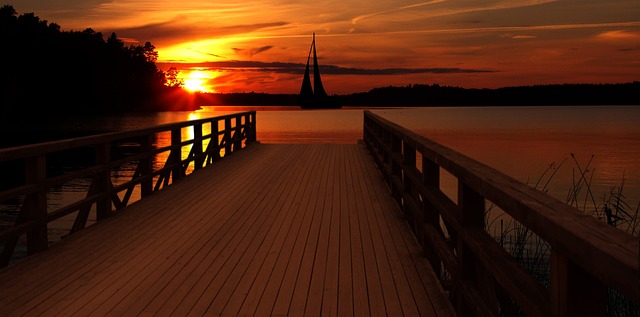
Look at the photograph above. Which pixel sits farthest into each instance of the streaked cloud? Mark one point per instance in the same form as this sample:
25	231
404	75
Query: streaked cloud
518	28
298	68
450	8
518	36
252	51
394	10
182	28
620	35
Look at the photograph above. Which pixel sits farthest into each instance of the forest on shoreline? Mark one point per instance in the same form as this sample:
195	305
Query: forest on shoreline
437	96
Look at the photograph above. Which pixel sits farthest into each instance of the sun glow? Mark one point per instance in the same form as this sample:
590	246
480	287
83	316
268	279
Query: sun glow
197	81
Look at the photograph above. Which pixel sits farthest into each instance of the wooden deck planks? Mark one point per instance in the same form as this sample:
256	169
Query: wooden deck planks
282	230
361	304
135	249
293	290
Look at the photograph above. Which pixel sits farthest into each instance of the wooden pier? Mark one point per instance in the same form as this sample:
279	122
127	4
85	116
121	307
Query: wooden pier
282	230
291	230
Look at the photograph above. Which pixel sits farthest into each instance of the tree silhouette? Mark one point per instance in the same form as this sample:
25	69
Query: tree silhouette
74	71
172	80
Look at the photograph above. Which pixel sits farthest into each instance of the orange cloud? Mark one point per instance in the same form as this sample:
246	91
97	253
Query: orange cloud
517	37
620	35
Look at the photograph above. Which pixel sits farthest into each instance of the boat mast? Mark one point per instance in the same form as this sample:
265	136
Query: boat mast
317	83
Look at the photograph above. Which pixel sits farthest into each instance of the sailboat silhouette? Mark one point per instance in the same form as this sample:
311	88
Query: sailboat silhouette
315	97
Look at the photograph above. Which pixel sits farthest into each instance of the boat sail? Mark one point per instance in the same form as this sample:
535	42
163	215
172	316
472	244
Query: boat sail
314	97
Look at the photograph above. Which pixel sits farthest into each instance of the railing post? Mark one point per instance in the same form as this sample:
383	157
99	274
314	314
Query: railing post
227	136
380	139
251	127
176	153
431	180
396	167
365	128
471	205
146	166
103	181
574	292
197	146
35	205
386	141
237	144
215	142
409	162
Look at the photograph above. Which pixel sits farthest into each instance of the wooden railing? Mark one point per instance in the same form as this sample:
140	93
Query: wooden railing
587	256
154	158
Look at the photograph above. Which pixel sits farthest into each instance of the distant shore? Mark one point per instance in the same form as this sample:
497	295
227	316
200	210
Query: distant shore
436	95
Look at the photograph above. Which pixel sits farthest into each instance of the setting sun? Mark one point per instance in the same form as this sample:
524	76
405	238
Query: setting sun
196	81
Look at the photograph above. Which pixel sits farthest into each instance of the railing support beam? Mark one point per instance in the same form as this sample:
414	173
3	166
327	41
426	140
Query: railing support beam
197	146
431	180
35	205
146	166
573	291
103	181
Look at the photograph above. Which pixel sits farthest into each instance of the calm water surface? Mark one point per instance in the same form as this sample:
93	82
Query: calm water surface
522	142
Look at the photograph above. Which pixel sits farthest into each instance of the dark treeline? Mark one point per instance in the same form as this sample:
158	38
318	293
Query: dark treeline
57	71
436	95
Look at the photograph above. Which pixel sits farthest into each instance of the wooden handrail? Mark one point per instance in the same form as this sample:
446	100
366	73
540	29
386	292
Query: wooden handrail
61	145
226	135
587	256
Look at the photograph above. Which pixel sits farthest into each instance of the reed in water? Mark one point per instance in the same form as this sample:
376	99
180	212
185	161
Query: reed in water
534	254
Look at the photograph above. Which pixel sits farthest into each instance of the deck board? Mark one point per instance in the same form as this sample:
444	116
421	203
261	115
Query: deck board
280	230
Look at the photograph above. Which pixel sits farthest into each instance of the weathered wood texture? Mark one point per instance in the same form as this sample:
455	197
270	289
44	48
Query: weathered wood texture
587	255
281	230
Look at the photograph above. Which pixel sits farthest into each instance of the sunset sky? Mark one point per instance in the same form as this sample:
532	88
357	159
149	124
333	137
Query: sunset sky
261	46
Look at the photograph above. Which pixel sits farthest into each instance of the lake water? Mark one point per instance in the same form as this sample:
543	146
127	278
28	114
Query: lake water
522	142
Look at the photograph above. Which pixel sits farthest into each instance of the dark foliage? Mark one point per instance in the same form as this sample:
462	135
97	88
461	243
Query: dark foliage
436	95
541	95
58	71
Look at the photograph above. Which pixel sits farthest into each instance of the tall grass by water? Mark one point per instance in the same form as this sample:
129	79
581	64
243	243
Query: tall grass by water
534	254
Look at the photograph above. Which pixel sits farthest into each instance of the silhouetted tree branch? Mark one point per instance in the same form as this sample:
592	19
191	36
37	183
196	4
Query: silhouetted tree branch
74	71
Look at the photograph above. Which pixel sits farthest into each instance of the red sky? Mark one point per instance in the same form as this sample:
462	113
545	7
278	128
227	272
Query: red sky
261	45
